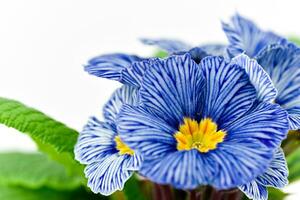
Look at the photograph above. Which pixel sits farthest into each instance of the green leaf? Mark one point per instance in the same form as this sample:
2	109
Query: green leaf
38	125
160	54
20	193
294	165
51	136
35	171
295	39
276	194
132	189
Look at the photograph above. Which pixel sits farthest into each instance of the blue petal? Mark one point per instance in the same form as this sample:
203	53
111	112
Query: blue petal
95	142
134	74
245	36
182	169
110	65
258	77
170	46
109	175
282	63
253	137
214	49
275	176
277	173
147	133
229	93
266	123
124	95
173	88
255	191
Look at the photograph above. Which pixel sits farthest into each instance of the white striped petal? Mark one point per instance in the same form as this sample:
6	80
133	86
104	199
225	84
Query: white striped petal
124	95
258	77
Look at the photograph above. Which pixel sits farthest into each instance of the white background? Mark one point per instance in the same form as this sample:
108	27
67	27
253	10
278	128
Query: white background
44	44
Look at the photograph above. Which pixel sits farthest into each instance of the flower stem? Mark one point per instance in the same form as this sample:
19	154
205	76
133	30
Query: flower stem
162	192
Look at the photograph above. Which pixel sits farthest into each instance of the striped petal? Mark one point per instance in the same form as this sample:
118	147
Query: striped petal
134	74
170	46
245	36
266	123
182	169
173	88
277	173
110	65
124	95
95	142
255	191
275	176
109	175
229	93
253	137
258	77
282	63
147	133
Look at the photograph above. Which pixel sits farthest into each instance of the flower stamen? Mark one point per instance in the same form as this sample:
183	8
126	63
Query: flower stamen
122	147
202	136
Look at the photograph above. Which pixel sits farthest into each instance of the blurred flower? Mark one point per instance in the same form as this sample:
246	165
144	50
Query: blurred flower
279	58
202	124
110	162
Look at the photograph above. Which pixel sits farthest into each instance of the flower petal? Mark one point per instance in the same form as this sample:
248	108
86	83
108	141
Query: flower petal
229	93
173	88
275	176
255	191
258	77
124	95
95	142
277	173
266	123
170	46
145	132
110	65
182	169
134	74
245	36
255	136
109	175
282	63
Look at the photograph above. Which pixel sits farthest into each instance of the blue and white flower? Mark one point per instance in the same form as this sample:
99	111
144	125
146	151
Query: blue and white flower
109	161
199	124
279	58
275	176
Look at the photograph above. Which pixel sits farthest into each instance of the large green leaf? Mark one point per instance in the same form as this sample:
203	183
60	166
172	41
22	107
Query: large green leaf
38	125
294	165
51	136
35	171
20	193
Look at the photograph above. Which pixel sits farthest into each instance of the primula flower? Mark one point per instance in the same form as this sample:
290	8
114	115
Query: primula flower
201	124
279	58
110	162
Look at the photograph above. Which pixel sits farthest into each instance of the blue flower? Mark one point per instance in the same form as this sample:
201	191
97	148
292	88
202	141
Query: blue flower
110	162
199	124
279	58
245	37
275	176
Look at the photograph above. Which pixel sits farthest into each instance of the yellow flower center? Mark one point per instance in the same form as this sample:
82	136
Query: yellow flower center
203	136
122	147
